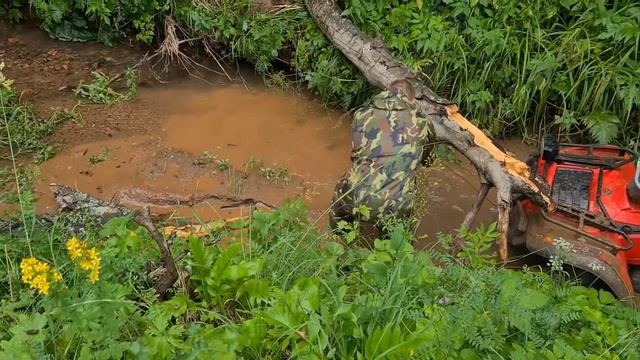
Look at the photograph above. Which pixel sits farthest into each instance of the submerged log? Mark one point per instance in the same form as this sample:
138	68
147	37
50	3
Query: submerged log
499	169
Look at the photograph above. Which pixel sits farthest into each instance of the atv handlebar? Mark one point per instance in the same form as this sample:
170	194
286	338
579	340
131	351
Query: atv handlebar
637	179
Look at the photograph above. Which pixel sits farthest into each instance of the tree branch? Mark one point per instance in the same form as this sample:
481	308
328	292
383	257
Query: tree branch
170	275
509	175
471	216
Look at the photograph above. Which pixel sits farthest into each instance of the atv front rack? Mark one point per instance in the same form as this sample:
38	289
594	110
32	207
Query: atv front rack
589	218
594	155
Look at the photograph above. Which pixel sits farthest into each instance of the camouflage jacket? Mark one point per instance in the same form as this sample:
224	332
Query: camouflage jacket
388	144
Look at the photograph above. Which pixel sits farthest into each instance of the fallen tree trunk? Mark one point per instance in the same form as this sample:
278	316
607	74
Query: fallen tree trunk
495	167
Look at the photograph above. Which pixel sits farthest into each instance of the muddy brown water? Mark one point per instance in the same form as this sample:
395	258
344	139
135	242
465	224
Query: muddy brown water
201	129
236	124
169	139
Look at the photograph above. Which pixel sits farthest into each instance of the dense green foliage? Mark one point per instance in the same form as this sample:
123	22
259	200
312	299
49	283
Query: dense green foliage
522	62
514	66
291	292
288	290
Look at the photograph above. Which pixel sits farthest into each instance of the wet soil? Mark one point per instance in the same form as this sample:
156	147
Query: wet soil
190	135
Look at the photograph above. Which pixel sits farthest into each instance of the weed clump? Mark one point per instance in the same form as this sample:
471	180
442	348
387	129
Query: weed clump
100	91
21	130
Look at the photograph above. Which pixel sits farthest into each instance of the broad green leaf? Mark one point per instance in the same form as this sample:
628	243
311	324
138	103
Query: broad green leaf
533	299
333	248
606	297
566	121
378	270
603	126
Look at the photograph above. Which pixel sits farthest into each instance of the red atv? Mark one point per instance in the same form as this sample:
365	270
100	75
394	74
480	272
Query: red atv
596	227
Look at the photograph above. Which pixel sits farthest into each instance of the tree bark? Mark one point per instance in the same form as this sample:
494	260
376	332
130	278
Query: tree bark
502	170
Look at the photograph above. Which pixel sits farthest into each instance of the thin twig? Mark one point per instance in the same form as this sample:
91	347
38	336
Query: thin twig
471	216
9	269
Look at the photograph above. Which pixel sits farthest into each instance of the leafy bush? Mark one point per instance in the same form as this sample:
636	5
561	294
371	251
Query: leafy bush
12	10
291	292
515	65
104	20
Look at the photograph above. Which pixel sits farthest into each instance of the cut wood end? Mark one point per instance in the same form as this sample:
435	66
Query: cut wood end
200	230
452	109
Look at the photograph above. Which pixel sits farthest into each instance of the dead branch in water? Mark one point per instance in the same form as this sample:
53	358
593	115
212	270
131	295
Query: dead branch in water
170	274
507	174
69	199
202	230
141	198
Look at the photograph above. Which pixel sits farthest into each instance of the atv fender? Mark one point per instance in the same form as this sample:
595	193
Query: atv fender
549	240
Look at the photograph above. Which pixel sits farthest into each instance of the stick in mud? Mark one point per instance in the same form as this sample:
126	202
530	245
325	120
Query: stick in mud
69	199
72	200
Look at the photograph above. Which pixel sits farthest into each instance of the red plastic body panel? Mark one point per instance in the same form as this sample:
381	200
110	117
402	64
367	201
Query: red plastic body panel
611	185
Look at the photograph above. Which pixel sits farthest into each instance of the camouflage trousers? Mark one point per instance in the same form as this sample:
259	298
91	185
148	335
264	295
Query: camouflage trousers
343	207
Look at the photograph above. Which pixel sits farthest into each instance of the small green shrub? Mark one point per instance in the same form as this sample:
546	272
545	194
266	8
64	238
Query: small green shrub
103	155
99	90
104	20
12	10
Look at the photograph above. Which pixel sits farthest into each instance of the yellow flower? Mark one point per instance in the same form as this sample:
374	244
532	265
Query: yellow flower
38	275
75	247
85	259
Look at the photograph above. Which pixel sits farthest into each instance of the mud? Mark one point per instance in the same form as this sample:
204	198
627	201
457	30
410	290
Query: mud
247	130
177	136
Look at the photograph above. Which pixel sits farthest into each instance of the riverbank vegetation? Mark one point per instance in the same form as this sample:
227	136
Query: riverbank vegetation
289	291
273	286
516	67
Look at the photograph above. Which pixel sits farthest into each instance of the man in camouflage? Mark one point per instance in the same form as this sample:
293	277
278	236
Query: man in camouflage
389	141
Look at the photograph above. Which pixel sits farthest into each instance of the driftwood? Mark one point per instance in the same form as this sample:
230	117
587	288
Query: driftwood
495	167
170	275
141	198
71	200
202	230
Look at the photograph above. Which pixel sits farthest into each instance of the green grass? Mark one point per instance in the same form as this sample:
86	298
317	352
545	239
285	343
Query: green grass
294	292
21	130
290	290
97	158
515	67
